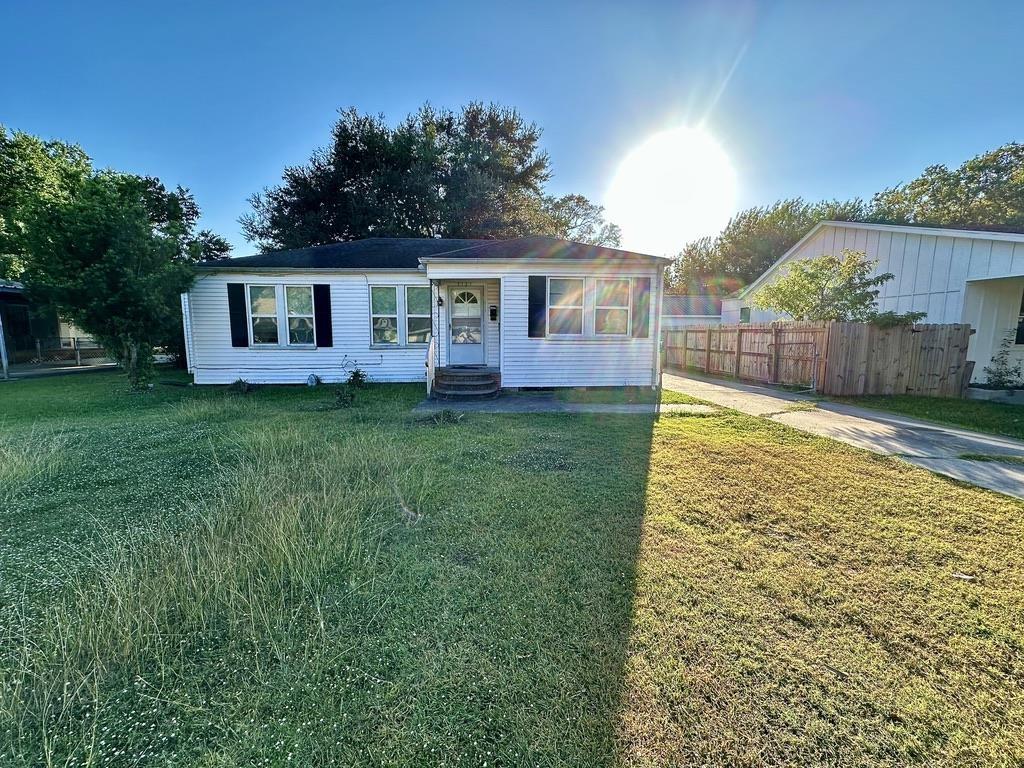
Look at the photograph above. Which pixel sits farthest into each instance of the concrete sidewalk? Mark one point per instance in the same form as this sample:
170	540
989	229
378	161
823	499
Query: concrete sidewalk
548	402
932	446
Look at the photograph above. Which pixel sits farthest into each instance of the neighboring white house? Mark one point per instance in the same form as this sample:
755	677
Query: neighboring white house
536	312
954	275
683	311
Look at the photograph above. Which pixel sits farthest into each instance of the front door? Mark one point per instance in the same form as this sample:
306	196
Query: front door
466	320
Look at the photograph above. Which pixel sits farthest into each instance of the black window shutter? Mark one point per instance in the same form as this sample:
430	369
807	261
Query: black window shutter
237	313
322	315
538	310
641	307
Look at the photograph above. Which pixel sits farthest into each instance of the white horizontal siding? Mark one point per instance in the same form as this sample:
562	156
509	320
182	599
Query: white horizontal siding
532	362
215	361
524	362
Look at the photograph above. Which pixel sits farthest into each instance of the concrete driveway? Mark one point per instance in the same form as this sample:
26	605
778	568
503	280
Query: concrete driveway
932	446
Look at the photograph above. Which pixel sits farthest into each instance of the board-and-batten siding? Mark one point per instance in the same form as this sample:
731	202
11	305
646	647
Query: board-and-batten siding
930	270
215	361
952	276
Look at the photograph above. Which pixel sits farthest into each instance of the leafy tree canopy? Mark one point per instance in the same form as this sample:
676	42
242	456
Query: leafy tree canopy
113	258
574	217
750	243
36	172
477	173
32	170
830	288
986	192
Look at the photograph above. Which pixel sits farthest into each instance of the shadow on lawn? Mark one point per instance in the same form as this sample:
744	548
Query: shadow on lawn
510	604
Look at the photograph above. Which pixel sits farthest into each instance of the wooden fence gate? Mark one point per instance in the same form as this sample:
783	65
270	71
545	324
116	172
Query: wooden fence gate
832	358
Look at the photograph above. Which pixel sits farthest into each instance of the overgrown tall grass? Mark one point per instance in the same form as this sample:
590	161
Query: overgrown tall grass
27	456
252	585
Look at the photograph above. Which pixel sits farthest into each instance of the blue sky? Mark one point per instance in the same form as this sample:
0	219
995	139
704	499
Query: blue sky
824	99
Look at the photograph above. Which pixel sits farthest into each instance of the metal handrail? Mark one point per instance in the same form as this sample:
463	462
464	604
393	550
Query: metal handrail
430	364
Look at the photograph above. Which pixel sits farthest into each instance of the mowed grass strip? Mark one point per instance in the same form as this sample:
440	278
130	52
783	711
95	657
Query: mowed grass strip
800	602
978	415
361	587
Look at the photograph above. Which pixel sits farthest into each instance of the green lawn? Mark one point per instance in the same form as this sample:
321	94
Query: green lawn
190	577
979	415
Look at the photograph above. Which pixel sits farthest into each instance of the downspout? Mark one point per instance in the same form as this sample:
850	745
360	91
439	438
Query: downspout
656	368
186	322
3	351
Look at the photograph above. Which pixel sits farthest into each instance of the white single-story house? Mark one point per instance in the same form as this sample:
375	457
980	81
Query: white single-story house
526	312
679	312
954	275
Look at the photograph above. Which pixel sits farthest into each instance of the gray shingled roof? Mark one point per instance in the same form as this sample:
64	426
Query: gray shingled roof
406	252
691	305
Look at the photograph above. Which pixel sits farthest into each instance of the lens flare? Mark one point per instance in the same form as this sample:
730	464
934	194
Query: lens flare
675	187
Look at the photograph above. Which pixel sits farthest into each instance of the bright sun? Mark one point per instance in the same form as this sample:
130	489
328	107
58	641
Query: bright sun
675	187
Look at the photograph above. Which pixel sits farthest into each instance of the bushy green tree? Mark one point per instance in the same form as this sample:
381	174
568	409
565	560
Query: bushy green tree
829	288
31	171
574	217
750	243
986	192
113	258
477	173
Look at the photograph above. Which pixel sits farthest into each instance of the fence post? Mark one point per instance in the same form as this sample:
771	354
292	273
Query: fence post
776	354
39	351
736	363
78	351
707	349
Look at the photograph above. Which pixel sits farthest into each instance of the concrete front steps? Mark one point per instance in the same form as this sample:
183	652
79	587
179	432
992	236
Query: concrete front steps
465	382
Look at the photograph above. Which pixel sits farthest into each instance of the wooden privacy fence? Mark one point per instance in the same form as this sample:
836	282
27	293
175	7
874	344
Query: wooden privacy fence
832	358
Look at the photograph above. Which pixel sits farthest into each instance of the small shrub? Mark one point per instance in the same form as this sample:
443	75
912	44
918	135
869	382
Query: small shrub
1004	373
344	397
240	387
890	319
357	378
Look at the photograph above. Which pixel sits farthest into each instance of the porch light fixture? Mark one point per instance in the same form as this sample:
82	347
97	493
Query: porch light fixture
440	301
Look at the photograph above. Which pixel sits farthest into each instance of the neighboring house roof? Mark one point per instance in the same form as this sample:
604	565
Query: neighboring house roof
971	234
386	253
11	287
701	306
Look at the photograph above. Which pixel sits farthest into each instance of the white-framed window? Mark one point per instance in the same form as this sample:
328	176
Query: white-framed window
263	314
384	315
612	306
298	302
565	306
417	314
